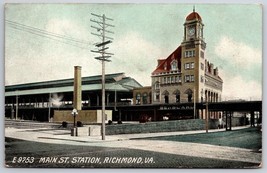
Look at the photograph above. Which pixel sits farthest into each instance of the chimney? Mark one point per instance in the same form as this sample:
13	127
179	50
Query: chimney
216	71
211	69
77	93
160	61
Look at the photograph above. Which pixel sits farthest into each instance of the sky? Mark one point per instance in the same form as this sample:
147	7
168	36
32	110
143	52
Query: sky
143	33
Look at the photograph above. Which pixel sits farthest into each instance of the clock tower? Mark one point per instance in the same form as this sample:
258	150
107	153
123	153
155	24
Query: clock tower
193	58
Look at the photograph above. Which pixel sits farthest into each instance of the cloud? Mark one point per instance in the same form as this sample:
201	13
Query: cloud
66	27
238	53
235	87
46	59
135	56
240	62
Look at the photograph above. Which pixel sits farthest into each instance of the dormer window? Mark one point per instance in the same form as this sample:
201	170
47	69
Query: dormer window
174	65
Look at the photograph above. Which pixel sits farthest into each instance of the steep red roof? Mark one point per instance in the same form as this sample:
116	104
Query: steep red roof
193	16
167	62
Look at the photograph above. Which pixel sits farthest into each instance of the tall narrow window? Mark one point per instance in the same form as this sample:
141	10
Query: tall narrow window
157	86
138	98
189	93
172	79
174	65
145	98
168	79
166	99
156	96
192	65
166	96
179	79
190	97
202	54
202	66
201	79
192	78
178	98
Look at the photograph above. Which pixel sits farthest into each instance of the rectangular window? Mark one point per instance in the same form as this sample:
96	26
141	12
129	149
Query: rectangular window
176	79
168	79
179	79
189	65
192	78
172	79
186	53
192	65
190	53
202	66
202	54
187	78
157	86
156	96
201	79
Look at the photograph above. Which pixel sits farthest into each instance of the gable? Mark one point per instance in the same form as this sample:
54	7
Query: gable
164	65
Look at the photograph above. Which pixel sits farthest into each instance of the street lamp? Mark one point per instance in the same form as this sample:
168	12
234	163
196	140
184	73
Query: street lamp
74	113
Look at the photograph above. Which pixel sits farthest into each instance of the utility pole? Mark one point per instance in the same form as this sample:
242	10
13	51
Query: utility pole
194	103
207	118
49	106
101	49
17	106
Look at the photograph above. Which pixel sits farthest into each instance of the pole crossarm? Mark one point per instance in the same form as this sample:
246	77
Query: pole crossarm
101	36
103	49
101	29
102	52
101	16
102	23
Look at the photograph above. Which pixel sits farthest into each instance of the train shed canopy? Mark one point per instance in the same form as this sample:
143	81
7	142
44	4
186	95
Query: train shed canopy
116	81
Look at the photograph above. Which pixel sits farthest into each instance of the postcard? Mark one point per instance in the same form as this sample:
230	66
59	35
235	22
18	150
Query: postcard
133	85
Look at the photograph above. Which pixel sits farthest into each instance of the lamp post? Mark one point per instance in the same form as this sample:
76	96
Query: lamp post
74	113
74	130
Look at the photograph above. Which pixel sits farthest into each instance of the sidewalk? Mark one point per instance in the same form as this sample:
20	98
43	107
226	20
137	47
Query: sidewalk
122	141
63	134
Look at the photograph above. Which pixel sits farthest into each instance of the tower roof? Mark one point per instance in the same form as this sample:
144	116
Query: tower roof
193	16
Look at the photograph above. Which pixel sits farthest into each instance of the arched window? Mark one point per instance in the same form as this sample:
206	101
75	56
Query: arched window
166	99
177	96
166	96
189	93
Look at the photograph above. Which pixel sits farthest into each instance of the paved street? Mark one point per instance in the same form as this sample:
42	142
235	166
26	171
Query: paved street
46	147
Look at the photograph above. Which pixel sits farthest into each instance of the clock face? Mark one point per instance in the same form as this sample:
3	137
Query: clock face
191	31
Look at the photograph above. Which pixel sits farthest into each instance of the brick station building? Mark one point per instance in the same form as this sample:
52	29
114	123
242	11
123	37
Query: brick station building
186	75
